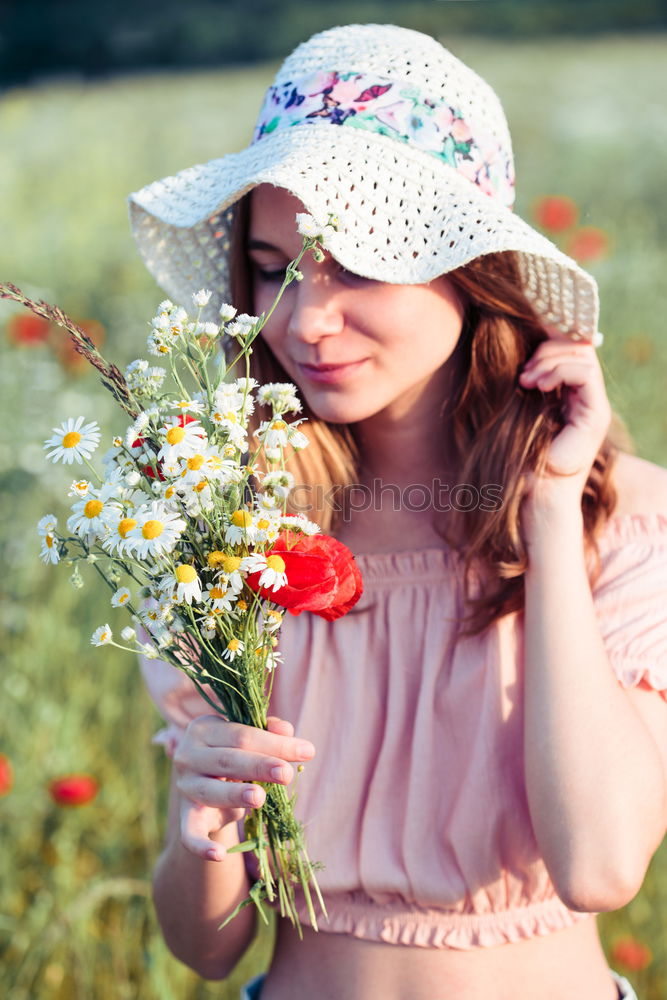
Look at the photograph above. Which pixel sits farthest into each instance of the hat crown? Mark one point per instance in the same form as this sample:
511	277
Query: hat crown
407	56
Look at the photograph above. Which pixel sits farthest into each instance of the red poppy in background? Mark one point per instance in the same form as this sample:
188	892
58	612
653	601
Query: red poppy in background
631	953
73	789
322	575
64	345
6	775
555	213
588	244
28	330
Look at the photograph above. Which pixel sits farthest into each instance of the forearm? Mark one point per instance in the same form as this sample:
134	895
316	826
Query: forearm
594	776
193	896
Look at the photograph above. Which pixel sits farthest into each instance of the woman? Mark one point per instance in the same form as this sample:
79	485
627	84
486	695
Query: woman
482	783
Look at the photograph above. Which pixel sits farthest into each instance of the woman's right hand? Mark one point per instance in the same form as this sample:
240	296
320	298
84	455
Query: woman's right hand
216	764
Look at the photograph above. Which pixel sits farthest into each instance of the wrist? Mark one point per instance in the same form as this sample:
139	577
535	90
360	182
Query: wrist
550	529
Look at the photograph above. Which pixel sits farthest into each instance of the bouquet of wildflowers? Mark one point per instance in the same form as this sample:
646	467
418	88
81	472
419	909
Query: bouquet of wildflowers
188	526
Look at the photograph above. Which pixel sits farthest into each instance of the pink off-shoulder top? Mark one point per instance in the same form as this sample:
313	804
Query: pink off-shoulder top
415	801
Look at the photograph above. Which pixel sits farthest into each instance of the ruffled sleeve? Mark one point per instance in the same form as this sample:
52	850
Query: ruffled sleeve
631	599
176	698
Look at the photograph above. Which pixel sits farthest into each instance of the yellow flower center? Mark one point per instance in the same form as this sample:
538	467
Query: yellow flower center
216	593
233	644
49	541
275	615
169	492
231	417
276	563
185	573
242	518
279	425
215	559
152	529
263	524
201	486
82	485
123	598
195	462
175	435
231	563
71	440
242	605
229	450
93	508
163	350
125	525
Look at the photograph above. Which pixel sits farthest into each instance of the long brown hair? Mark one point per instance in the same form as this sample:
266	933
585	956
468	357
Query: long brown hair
500	432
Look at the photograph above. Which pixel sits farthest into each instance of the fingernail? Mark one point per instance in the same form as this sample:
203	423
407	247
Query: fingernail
213	854
305	748
252	797
280	773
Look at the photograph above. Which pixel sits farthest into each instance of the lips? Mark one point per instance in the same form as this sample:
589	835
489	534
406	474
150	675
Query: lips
331	372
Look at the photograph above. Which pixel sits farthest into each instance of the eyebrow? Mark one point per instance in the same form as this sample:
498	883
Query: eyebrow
260	245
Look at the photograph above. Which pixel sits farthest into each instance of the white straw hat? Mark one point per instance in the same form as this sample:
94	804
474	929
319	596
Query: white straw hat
384	127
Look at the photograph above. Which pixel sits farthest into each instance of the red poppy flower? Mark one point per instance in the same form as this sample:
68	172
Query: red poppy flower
28	329
148	470
6	776
588	244
322	575
73	790
631	953
555	213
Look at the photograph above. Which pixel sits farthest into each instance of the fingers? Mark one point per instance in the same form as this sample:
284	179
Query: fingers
281	726
215	732
237	765
197	823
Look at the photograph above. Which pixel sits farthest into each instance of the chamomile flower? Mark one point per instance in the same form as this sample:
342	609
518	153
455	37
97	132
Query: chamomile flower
92	515
228	421
102	636
120	598
79	488
186	583
201	298
219	597
119	528
267	528
300	523
207	463
47	525
273	619
235	647
73	441
128	633
273	433
226	312
188	405
230	573
297	438
278	484
181	440
156	532
240	528
208	627
271	568
242	325
281	396
49	551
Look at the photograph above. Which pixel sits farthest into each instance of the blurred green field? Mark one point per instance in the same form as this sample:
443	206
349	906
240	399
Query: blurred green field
76	922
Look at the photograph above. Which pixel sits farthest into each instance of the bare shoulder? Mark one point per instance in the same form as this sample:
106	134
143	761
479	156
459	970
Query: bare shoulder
641	486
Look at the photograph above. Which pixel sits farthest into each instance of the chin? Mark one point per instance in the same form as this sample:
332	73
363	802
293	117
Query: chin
341	412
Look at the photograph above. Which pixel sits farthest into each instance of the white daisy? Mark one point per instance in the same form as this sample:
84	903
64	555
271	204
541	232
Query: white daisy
181	440
234	648
201	298
273	619
230	573
207	464
128	633
157	531
281	396
242	325
278	484
119	527
240	528
73	441
220	596
189	405
47	525
187	584
267	528
49	551
120	598
271	568
300	523
226	312
273	433
102	636
79	488
93	514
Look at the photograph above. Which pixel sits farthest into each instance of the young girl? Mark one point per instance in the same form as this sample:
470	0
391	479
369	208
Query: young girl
484	734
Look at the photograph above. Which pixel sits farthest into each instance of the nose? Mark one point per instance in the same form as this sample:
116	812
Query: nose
316	309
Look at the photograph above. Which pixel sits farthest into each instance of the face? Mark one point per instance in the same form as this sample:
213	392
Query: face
356	348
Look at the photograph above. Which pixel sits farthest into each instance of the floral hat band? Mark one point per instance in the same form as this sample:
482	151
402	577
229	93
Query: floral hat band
395	109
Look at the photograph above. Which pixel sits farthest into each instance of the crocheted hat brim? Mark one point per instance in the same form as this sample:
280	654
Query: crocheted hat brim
407	218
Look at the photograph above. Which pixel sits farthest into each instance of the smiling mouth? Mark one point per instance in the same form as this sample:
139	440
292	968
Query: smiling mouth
330	373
